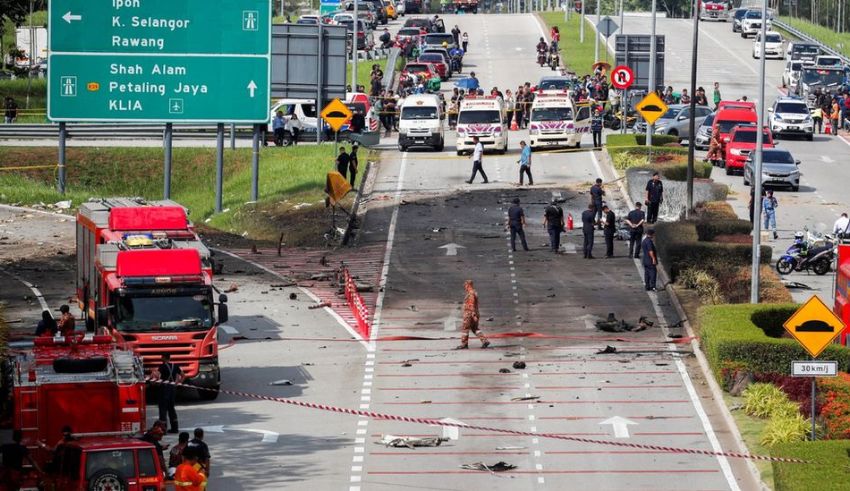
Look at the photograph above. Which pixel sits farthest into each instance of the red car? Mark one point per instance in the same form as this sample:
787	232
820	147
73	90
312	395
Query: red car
425	70
438	62
742	141
728	118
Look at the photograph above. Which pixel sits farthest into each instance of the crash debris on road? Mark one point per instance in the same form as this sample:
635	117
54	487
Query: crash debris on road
410	442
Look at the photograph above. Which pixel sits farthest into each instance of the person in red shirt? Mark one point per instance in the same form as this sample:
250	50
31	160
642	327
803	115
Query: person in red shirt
67	324
188	477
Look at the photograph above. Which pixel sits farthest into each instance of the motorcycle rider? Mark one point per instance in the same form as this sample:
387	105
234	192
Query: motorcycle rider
456	55
554	56
542	49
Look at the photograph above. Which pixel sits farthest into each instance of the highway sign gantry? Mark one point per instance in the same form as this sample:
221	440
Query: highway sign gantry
651	107
335	113
814	326
159	61
622	77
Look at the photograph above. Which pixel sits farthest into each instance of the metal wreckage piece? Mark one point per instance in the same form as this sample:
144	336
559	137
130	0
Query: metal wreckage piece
411	442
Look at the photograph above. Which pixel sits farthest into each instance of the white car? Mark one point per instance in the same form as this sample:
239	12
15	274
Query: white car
790	116
772	47
751	23
791	73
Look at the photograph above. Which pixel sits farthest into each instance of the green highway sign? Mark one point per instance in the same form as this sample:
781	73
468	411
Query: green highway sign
159	61
162	27
158	89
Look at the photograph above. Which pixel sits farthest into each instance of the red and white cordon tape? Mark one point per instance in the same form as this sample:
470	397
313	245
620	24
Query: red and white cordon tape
435	422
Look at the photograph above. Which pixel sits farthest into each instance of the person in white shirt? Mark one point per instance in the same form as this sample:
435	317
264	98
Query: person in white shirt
477	155
840	229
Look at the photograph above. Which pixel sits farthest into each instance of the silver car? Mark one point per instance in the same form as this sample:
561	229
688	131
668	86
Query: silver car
676	121
779	169
703	139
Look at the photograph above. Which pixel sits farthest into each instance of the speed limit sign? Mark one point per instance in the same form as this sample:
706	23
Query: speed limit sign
622	77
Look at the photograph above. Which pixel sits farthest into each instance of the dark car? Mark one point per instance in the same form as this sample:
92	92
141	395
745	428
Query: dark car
412	6
421	22
373	5
737	17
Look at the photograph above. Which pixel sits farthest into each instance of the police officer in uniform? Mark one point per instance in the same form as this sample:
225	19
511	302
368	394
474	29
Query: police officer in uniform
596	195
654	197
635	220
610	228
516	223
588	220
169	372
650	261
553	220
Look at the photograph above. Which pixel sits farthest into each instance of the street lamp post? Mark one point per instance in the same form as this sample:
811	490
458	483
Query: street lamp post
757	184
596	34
581	23
652	55
692	122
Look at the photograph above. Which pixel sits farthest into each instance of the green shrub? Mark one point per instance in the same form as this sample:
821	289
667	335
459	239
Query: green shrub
829	473
679	172
762	399
770	320
619	140
709	229
785	429
715	210
657	140
729	334
704	284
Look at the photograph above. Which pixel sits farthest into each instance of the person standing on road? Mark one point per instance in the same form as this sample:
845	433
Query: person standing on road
477	157
716	96
10	110
471	316
654	197
14	454
516	223
635	220
67	324
596	128
187	477
650	261
841	227
817	119
456	34
465	42
553	221
352	164
175	455
610	228
835	113
198	445
525	163
769	205
169	373
342	162
278	127
596	195
588	220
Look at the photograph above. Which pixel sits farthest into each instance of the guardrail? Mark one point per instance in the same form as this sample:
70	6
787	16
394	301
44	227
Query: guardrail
116	131
805	37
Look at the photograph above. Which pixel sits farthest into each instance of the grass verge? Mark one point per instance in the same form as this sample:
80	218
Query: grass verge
364	70
576	56
837	41
751	430
37	90
291	187
827	473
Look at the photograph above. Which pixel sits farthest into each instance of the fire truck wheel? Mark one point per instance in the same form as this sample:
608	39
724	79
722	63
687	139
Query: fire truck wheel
107	480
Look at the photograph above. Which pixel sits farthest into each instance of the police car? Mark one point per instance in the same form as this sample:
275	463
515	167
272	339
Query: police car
790	116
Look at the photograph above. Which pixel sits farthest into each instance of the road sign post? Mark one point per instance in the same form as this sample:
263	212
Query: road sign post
815	327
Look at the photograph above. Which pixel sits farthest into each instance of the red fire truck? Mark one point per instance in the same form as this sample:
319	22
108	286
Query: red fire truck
144	273
97	389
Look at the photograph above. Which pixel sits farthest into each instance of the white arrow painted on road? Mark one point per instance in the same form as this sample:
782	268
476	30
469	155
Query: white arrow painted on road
450	322
451	248
568	248
251	88
589	321
451	432
68	17
268	436
826	159
620	425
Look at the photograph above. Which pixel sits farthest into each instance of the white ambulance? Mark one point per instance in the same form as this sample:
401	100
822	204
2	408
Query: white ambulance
421	122
484	117
557	121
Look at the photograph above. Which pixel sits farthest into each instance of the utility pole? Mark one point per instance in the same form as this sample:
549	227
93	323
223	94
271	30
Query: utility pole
596	34
692	122
652	55
354	52
757	204
622	16
581	23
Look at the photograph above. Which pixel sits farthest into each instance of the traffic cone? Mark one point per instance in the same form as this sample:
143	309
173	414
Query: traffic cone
827	128
514	126
569	221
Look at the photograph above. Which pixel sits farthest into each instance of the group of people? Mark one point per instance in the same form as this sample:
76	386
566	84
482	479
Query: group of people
832	107
49	327
346	163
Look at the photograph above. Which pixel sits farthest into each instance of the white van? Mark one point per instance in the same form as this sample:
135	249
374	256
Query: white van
304	111
557	121
485	118
420	122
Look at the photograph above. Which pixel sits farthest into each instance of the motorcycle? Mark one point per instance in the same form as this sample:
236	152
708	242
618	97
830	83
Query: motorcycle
808	252
541	58
457	64
554	61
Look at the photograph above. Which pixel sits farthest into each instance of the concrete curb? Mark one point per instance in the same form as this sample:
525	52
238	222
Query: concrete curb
346	238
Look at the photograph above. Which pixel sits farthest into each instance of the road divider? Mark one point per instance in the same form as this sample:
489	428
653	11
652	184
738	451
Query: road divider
356	304
449	423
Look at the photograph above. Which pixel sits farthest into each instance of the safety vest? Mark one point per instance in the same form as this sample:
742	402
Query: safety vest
188	478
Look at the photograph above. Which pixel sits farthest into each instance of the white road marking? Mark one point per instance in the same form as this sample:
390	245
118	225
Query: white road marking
620	426
32	288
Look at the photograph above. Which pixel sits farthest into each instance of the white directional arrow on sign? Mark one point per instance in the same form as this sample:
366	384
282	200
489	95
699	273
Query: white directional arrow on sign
68	17
451	248
251	88
620	425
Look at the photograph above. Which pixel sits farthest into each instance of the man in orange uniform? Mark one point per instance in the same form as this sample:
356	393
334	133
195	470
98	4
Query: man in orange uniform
188	477
471	318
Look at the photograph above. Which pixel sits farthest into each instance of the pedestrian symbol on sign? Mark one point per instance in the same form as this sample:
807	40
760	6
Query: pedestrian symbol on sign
249	20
